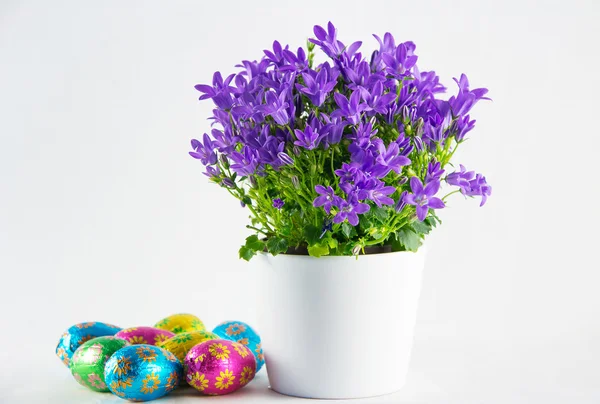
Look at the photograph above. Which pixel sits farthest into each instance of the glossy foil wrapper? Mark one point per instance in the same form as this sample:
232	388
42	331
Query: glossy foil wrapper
241	332
87	363
80	333
218	367
144	335
142	372
180	344
178	323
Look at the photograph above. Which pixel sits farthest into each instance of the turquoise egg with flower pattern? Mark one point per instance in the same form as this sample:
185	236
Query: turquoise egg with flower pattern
142	372
241	332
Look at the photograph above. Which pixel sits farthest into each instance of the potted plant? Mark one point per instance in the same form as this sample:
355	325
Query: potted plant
340	165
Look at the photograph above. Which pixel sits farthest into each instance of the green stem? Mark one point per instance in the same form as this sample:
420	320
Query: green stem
453	192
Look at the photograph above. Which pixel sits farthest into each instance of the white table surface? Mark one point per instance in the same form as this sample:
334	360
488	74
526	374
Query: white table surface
441	372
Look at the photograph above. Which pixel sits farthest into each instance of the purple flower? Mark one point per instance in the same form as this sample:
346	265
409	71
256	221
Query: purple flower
390	159
423	198
434	172
205	152
470	184
328	42
350	210
402	60
308	139
317	85
460	178
297	61
220	92
466	99
462	126
277	57
379	194
376	100
246	162
213	172
326	198
479	187
276	107
278	203
347	173
224	141
350	109
333	129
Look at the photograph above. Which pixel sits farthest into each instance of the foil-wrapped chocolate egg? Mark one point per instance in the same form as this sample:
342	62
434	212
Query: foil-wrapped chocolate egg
219	366
180	344
144	335
80	333
241	332
87	363
178	323
142	372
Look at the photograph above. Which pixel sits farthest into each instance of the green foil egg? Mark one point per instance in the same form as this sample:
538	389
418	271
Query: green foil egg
87	363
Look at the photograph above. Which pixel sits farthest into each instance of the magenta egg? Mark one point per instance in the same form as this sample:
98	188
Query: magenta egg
219	366
144	335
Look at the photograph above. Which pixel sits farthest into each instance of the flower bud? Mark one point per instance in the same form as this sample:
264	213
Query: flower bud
295	182
402	180
400	204
253	181
297	150
419	127
419	144
224	161
356	249
285	158
404	114
228	183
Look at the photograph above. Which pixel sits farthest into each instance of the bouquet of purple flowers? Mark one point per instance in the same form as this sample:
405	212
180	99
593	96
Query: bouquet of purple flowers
334	158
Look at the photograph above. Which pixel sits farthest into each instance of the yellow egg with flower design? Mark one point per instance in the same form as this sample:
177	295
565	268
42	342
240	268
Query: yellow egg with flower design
180	344
178	323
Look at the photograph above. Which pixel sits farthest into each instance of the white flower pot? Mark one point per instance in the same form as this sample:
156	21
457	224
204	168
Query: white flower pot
338	327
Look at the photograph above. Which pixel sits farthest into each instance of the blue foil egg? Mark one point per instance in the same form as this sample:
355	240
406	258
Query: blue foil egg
241	332
75	336
142	372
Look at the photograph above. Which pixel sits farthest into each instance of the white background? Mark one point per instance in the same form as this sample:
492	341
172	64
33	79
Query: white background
104	216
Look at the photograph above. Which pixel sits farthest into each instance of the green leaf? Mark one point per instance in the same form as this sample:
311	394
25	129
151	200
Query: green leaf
247	253
312	234
277	245
409	239
380	214
333	243
421	227
318	250
254	243
348	230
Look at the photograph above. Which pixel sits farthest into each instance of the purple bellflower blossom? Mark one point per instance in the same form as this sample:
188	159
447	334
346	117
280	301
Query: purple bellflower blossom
349	210
423	197
350	109
276	107
205	152
278	203
308	139
327	198
220	92
317	85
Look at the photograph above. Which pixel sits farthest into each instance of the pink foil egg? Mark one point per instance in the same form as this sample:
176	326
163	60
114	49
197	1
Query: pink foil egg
144	335
219	367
